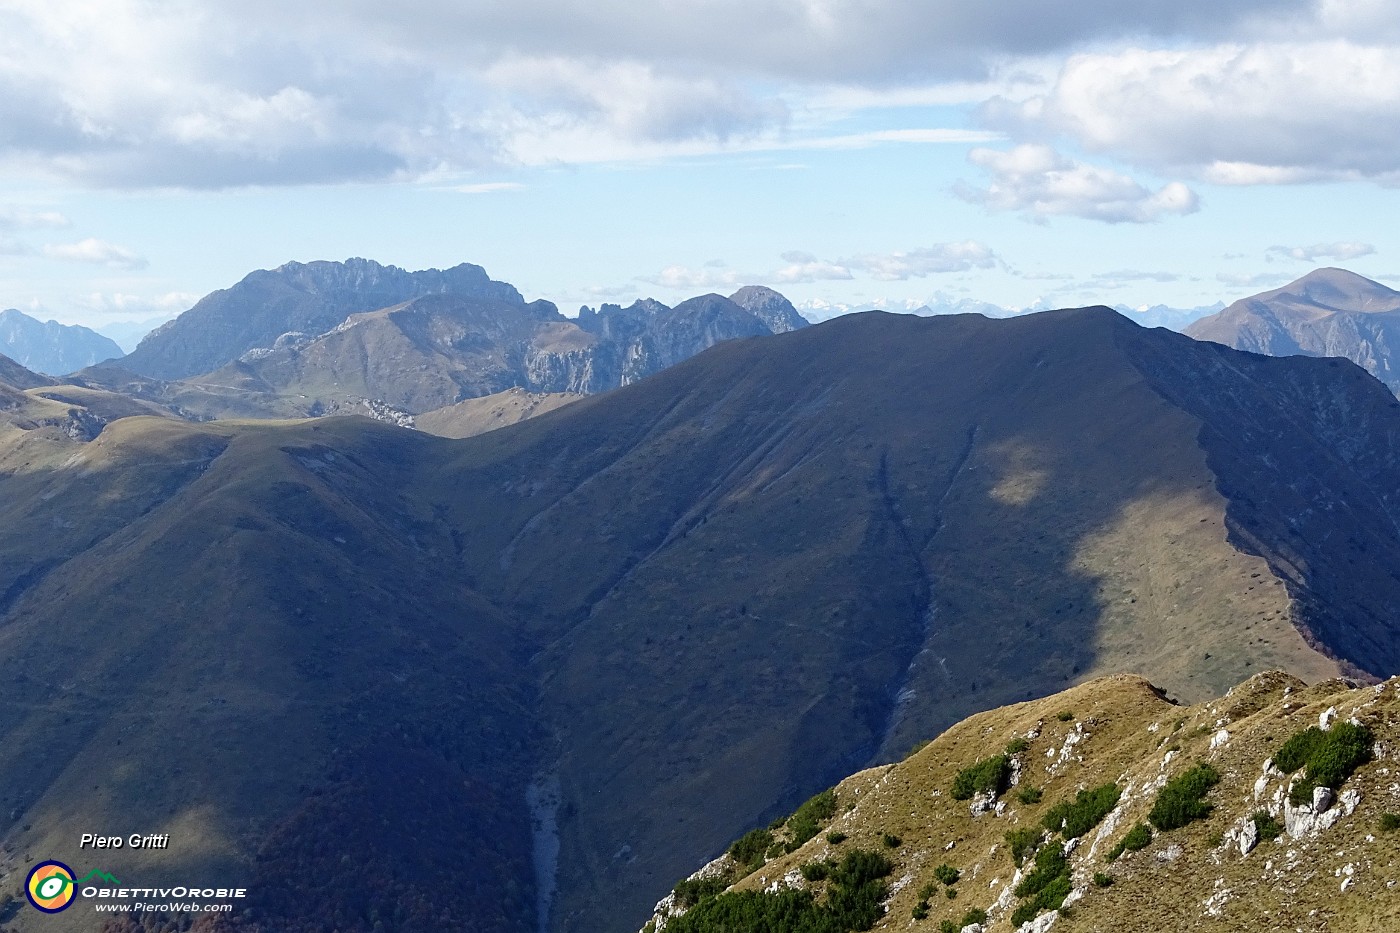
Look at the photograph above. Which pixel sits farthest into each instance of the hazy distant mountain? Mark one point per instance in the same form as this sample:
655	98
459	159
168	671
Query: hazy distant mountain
309	298
128	334
1154	316
658	616
51	347
1328	312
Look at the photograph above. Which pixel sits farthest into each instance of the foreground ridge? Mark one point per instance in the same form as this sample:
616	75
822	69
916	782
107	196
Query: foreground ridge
1076	820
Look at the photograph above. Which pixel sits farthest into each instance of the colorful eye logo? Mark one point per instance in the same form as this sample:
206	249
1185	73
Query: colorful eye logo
50	887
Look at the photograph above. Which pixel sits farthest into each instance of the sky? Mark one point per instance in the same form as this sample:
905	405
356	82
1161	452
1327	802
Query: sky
845	152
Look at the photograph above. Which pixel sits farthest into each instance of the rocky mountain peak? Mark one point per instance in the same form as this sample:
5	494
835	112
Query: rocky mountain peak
769	306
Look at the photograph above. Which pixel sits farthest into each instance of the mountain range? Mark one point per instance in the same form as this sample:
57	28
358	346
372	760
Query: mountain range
534	676
329	337
1328	312
50	347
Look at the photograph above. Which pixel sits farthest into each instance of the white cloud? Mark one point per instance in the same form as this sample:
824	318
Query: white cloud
9	246
683	277
1254	280
1040	183
1239	114
926	261
217	93
488	187
1336	251
13	217
804	267
98	252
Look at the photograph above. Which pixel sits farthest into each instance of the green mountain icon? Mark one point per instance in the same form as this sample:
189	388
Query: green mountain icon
100	875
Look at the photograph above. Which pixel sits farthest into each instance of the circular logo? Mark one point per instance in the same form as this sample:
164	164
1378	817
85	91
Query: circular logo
50	887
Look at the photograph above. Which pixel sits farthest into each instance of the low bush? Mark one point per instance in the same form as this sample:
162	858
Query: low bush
749	849
891	841
693	890
836	837
816	871
951	894
988	776
1390	822
1182	800
806	820
853	902
1016	746
1045	888
1329	757
1029	795
1088	808
920	911
975	915
947	874
1102	880
1139	837
1064	715
1022	842
1268	827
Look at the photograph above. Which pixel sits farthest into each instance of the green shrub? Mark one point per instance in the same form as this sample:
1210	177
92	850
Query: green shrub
1330	757
1046	887
1390	822
928	890
988	776
852	903
921	910
748	849
1089	807
1102	880
975	915
1269	828
1022	842
693	890
1182	800
891	841
951	894
1064	715
1139	837
804	823
1016	746
948	926
816	871
947	874
836	837
1029	795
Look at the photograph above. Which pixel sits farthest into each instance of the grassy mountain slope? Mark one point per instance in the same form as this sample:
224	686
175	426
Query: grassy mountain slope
479	415
1206	875
691	602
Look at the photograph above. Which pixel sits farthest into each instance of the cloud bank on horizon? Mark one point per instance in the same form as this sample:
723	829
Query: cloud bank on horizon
1098	111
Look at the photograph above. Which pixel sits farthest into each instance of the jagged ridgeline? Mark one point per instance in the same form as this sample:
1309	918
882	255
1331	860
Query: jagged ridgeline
1106	807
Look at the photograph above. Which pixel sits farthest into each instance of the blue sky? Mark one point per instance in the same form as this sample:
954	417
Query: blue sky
843	151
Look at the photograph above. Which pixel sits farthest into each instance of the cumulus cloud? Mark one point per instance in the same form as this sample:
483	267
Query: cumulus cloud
1039	182
930	260
98	252
683	277
805	267
1340	252
1234	114
217	93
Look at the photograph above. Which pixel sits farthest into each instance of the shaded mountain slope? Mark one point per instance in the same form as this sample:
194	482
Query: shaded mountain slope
1330	871
688	604
1328	312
